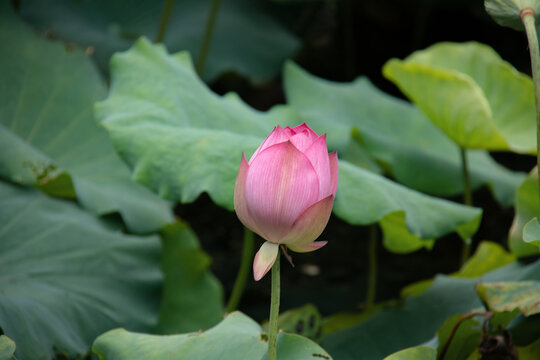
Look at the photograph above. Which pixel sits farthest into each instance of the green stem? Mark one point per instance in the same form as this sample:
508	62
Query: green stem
467	200
527	17
243	272
165	16
274	312
372	272
207	36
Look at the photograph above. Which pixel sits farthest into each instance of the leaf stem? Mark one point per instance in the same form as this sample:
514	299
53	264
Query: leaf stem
467	200
243	272
207	36
446	345
372	270
528	18
274	312
165	16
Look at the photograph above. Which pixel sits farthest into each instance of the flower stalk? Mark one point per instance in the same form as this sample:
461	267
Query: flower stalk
467	200
165	16
527	16
274	311
243	272
207	36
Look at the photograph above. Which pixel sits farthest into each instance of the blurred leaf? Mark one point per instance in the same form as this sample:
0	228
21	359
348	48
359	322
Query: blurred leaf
524	330
464	341
345	320
470	93
236	337
507	12
305	321
507	296
66	278
394	132
414	353
390	330
47	129
529	352
526	208
488	256
245	38
181	139
192	296
531	232
7	347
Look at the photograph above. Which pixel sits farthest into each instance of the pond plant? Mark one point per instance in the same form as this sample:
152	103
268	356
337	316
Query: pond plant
113	142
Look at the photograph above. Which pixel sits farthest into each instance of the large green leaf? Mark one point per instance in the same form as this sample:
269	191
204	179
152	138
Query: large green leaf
365	198
7	347
192	296
66	278
46	122
181	139
395	132
414	353
236	337
488	256
510	295
470	93
508	12
245	38
390	330
527	207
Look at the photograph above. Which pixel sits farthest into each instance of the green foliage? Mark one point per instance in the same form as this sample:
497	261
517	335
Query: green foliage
240	41
192	296
527	207
65	277
389	330
181	139
488	256
48	135
394	204
463	342
414	353
305	321
510	295
471	94
507	12
531	233
7	347
418	155
236	337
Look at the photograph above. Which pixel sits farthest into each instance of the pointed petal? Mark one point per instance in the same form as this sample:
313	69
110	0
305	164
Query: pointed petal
240	205
310	224
305	128
301	140
278	135
264	259
334	169
317	153
308	247
280	184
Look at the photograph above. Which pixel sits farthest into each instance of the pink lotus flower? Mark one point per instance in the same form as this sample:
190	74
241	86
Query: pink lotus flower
286	191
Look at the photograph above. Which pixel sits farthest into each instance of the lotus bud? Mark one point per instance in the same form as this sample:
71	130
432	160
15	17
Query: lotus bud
286	191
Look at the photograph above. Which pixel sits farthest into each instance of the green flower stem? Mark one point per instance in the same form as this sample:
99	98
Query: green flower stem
243	272
274	312
207	36
527	17
467	200
165	16
372	272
